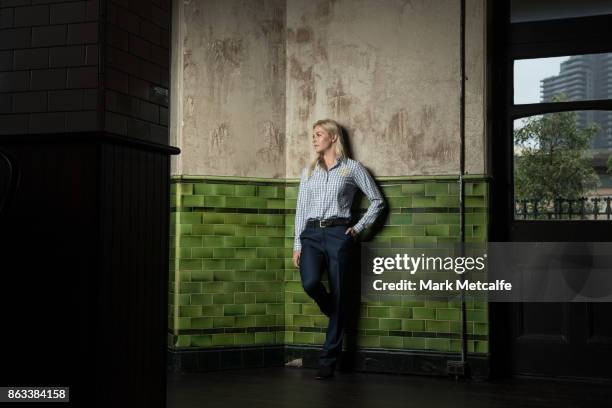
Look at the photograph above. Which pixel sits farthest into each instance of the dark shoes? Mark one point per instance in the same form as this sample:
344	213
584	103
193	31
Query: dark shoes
325	372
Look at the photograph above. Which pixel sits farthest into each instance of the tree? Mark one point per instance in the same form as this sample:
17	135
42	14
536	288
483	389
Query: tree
553	158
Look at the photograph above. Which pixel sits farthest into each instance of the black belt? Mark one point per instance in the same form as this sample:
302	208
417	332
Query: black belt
330	222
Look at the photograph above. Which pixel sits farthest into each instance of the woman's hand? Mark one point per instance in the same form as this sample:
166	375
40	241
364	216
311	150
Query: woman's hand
296	258
351	231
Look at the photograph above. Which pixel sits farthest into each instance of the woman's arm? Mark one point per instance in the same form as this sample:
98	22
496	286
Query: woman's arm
300	211
366	183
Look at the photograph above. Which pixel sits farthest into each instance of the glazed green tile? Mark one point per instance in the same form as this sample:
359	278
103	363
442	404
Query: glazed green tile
255	263
378	311
265	320
233	310
190	287
183	323
267	191
201	252
276	264
437	344
479	188
245	191
185	299
392	190
414	343
447	218
201	341
475	201
303	338
391	231
190	264
245	253
265	297
214	201
436	230
212	310
390	324
192	201
212	287
202	229
481	329
201	323
447	201
434	189
423	313
433	302
224	229
182	341
413	230
255	309
245	321
213	218
448	314
264	337
201	299
291	191
400	219
244	338
475	218
275	220
223	298
400	312
368	341
419	202
300	320
479	316
424	219
368	323
235	202
190	241
392	342
311	309
244	297
234	265
212	241
455	327
213	263
398	202
203	189
275	308
184	188
413	325
320	321
222	339
481	346
223	321
413	188
437	326
190	311
223	253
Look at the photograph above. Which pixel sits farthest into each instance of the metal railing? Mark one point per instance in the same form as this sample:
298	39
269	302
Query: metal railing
583	208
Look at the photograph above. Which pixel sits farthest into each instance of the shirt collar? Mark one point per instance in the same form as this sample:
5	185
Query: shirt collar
339	160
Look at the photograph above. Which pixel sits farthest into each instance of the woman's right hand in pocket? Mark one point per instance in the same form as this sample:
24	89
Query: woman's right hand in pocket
296	258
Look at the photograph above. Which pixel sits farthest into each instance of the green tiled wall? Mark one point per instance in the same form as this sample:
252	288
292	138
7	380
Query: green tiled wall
232	281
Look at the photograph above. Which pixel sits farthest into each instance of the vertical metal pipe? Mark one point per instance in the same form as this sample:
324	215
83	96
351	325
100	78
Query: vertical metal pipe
461	173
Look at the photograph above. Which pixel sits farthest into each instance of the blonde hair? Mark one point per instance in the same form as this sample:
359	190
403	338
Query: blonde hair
332	128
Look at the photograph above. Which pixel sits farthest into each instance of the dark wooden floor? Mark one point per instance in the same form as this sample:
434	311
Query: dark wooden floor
296	388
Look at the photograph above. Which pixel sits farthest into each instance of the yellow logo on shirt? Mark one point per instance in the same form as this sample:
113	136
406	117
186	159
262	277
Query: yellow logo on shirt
344	171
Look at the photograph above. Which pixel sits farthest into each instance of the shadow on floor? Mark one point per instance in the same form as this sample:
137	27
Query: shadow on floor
297	388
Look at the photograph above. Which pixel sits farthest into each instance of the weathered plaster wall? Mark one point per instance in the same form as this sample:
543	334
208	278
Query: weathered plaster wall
232	92
256	74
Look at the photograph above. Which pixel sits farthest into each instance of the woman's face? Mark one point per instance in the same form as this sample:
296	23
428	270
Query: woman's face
322	140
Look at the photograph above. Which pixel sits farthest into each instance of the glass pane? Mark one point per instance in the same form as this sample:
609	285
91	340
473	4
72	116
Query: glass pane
575	78
537	10
563	166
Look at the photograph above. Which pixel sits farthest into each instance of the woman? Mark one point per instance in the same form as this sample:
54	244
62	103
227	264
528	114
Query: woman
323	237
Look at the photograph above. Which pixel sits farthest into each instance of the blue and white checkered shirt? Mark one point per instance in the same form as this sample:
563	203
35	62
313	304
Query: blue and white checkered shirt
329	194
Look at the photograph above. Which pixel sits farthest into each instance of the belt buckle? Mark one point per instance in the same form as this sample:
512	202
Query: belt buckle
321	224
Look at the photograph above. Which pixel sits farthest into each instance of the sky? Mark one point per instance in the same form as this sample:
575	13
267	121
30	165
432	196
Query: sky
529	73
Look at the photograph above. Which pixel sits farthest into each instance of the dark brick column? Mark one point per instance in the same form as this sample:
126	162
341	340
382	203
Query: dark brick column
84	191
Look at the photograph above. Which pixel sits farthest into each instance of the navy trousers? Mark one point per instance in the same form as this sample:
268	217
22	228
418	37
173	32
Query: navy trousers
327	248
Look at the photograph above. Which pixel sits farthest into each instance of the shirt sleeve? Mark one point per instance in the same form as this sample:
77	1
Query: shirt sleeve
300	211
366	183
